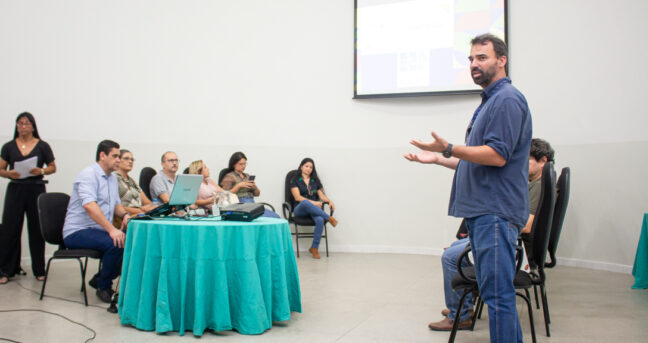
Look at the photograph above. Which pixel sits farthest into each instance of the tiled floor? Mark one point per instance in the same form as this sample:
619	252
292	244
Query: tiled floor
348	298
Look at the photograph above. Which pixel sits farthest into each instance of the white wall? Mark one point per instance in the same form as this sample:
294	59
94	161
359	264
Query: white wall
275	80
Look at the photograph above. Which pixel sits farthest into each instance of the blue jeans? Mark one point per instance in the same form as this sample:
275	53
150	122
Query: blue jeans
493	241
266	212
307	209
99	240
449	264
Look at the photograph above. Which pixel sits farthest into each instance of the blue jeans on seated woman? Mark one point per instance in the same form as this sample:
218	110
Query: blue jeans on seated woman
266	212
99	240
307	209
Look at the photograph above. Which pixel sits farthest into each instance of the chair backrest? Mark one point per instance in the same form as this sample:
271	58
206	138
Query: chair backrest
541	229
221	175
51	214
562	199
288	197
146	175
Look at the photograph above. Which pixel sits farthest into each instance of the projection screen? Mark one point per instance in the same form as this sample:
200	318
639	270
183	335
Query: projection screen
420	47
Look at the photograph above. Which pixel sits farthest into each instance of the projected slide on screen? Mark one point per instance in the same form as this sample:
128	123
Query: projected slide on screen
418	47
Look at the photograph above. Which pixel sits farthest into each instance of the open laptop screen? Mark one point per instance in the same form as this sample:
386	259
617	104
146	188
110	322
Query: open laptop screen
185	189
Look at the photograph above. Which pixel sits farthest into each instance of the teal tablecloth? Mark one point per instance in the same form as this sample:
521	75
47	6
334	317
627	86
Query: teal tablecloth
640	268
182	275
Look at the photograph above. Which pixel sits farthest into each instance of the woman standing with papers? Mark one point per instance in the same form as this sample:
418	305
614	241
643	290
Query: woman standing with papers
30	154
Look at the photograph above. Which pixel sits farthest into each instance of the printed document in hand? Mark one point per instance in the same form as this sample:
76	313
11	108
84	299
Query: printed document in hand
23	167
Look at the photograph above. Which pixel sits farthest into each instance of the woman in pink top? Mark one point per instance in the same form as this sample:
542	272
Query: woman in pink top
207	188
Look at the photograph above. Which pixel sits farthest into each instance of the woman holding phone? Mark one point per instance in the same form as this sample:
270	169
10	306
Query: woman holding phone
240	183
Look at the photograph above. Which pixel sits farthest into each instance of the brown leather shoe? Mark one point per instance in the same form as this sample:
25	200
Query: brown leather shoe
315	253
333	221
446	325
445	312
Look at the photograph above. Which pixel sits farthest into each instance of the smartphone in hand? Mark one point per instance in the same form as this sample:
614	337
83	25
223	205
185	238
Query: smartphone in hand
251	177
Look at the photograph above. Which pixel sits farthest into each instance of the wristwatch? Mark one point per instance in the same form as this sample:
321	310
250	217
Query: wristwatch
448	151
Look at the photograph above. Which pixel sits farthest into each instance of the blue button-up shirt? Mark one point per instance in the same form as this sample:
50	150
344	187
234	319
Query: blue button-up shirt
503	122
91	185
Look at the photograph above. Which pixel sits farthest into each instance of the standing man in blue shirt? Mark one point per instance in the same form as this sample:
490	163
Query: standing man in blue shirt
490	185
88	221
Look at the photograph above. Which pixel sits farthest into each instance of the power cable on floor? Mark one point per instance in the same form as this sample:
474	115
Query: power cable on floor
94	333
53	297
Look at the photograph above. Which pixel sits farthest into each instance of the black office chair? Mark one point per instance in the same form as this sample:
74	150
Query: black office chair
560	209
51	213
540	235
146	175
288	214
562	200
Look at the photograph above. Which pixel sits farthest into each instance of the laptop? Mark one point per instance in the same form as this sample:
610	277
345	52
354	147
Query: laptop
184	193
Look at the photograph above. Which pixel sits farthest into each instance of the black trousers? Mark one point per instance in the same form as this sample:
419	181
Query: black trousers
20	200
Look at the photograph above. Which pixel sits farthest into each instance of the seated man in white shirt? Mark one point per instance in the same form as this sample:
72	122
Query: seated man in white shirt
88	222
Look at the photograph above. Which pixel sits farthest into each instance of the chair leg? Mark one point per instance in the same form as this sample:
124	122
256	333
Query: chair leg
83	286
455	326
481	307
474	318
297	239
526	292
46	275
545	309
326	240
82	272
530	309
535	290
546	301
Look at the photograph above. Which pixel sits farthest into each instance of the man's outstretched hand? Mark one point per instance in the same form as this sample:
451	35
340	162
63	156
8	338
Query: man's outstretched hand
438	145
422	157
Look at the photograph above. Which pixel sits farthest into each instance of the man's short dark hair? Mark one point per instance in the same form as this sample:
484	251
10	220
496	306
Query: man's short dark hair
541	148
105	146
498	45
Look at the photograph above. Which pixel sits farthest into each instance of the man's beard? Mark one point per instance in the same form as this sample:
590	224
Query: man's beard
484	78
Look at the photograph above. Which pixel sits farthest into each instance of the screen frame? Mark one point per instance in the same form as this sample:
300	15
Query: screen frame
412	94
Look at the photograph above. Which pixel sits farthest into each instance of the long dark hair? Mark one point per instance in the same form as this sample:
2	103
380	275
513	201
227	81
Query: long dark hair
31	119
237	156
314	173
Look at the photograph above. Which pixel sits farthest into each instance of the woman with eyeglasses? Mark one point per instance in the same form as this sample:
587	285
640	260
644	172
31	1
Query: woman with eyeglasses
132	197
240	183
207	188
21	197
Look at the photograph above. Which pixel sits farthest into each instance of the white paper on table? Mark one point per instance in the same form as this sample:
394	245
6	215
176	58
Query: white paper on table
23	167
